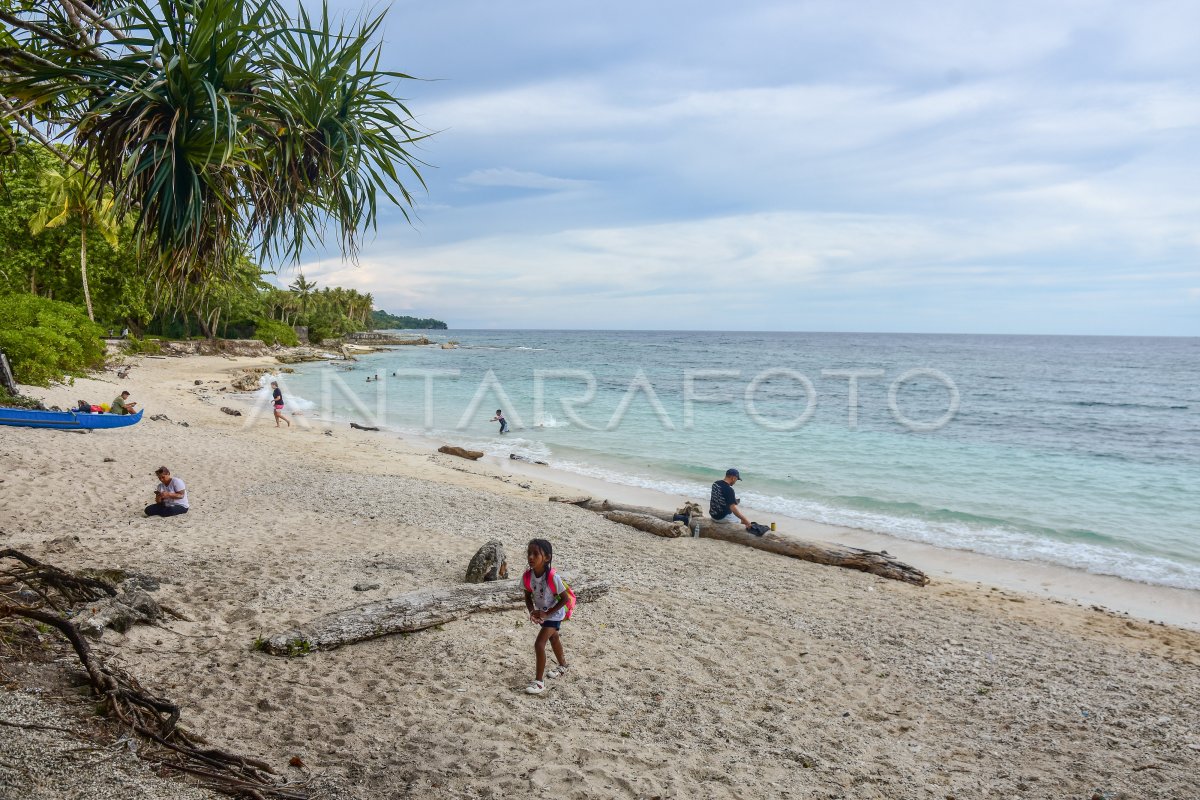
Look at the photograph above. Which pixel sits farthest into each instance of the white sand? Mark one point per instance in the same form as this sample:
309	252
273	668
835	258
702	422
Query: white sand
711	670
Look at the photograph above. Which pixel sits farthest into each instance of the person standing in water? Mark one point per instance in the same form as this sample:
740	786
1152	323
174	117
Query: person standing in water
277	402
500	418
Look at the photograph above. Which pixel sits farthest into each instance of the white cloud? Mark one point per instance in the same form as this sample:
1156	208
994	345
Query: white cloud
1005	155
502	176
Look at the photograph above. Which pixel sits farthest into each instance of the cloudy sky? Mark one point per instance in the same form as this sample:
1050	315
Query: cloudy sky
1019	167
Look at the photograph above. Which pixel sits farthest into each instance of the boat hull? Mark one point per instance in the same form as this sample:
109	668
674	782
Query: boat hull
66	420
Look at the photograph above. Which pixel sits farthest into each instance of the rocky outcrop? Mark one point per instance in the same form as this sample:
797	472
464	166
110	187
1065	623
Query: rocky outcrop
299	355
249	380
373	339
215	347
131	606
488	564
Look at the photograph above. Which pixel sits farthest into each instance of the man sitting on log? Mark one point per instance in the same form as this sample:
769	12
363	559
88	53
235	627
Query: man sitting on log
723	504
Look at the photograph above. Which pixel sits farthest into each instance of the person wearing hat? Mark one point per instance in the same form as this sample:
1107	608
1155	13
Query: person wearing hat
723	504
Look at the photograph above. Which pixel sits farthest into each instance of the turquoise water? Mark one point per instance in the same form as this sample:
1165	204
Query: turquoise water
1078	451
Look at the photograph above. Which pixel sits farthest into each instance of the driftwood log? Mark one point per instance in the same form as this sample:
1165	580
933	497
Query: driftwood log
408	613
460	452
649	524
358	427
835	555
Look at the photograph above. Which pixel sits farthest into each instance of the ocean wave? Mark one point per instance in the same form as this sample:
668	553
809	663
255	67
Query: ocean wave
1105	404
294	402
504	446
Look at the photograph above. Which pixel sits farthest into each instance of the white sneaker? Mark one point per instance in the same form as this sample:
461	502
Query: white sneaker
535	687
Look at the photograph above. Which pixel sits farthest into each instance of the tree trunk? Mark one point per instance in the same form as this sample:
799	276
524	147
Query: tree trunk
649	524
414	611
203	321
834	555
87	295
6	376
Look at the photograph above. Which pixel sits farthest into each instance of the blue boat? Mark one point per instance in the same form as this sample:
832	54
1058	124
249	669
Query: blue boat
66	420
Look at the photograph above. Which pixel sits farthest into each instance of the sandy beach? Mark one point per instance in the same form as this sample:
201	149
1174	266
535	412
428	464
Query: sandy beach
709	670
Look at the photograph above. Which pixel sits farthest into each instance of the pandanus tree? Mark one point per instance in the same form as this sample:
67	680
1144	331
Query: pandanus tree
72	196
214	122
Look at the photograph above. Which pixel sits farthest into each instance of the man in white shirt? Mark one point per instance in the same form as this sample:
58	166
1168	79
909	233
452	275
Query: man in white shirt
170	496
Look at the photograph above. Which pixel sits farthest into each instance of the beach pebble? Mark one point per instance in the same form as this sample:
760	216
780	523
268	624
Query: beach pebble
365	587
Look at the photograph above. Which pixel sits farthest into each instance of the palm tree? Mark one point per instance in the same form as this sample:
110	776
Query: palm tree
215	122
303	291
71	195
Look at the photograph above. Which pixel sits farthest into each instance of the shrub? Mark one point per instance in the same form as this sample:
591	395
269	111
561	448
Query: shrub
46	339
135	346
270	331
319	331
20	401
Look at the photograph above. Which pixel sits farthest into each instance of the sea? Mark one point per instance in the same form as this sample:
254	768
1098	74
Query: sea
1082	452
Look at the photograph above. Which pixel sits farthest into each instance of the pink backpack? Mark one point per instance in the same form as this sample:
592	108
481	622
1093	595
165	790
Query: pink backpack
527	582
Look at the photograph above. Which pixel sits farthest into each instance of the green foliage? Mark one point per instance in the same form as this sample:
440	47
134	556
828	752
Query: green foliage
20	401
320	329
136	346
47	339
270	331
74	195
384	320
218	122
48	264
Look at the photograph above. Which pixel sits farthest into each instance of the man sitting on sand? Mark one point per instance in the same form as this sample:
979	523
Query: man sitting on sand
122	405
723	504
170	496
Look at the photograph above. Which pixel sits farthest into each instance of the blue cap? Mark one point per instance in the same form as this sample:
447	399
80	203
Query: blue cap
734	473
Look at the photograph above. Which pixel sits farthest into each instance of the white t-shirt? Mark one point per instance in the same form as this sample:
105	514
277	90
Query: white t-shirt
175	485
545	597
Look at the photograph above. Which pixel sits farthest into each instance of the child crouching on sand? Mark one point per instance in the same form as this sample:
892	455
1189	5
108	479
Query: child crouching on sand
549	601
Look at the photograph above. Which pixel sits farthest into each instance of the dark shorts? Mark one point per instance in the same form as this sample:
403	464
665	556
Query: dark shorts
552	623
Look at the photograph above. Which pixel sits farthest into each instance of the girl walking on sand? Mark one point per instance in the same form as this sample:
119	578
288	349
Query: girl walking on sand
549	601
277	402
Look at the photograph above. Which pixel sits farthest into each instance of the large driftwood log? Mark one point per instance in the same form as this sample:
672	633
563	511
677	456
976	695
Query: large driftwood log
450	450
649	524
834	555
410	612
